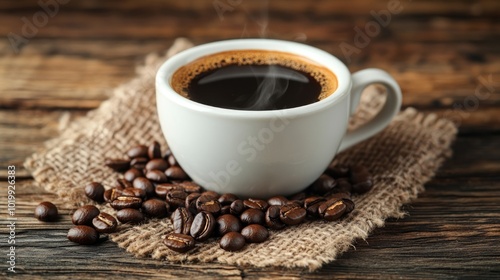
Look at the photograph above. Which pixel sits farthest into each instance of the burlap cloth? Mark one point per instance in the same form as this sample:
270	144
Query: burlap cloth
403	157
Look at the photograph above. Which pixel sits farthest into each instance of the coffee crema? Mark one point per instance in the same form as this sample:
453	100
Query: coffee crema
254	80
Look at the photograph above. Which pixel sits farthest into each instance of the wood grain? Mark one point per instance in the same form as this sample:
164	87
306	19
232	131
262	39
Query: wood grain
439	51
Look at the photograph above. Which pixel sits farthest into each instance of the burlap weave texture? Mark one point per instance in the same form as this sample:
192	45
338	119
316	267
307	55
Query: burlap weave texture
402	157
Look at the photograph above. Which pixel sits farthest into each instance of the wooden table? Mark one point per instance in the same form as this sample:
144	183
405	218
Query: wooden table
445	55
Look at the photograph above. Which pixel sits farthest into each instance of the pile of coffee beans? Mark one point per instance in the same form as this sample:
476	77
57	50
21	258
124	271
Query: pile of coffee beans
153	185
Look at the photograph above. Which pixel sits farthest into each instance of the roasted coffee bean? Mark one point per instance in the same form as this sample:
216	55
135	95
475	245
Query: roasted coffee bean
95	191
190	202
155	208
349	205
112	194
272	217
157	164
323	184
298	197
144	184
139	162
138	151
211	194
203	226
292	214
232	241
255	233
84	215
118	165
134	192
176	173
311	204
122	184
182	220
83	235
156	176
227	199
176	198
332	209
343	185
122	202
129	215
154	150
180	243
255	204
171	160
237	207
105	223
252	216
339	195
161	190
226	209
207	203
133	173
338	171
190	187
227	223
277	200
46	211
361	179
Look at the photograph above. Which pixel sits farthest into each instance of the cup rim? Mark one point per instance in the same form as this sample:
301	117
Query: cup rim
170	66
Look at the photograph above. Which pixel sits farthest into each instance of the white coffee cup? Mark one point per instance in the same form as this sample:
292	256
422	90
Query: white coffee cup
266	153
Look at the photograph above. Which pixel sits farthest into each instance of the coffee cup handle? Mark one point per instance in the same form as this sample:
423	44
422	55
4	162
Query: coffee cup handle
360	80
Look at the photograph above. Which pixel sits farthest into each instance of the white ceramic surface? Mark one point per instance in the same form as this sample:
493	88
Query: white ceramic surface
265	153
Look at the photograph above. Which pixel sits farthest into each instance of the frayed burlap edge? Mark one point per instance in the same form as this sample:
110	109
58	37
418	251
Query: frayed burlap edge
403	157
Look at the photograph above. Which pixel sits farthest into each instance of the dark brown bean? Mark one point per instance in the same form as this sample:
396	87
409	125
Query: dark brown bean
332	209
203	226
226	209
134	192
190	202
339	195
237	207
129	215
207	203
105	223
154	150
232	241
338	171
122	202
190	187
252	216
176	198
118	165
176	173
46	211
255	233
277	200
132	173
84	215
349	205
227	199
156	176
343	185
361	179
180	243
139	163
323	184
83	235
161	190
182	220
122	184
292	214
311	204
144	184
227	223
157	164
272	217
298	197
255	204
112	194
155	208
95	191
211	194
138	151
171	160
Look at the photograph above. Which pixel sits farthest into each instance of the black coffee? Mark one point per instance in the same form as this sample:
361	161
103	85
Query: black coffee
254	80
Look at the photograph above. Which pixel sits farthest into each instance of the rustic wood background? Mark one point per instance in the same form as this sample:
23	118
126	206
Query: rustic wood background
445	55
